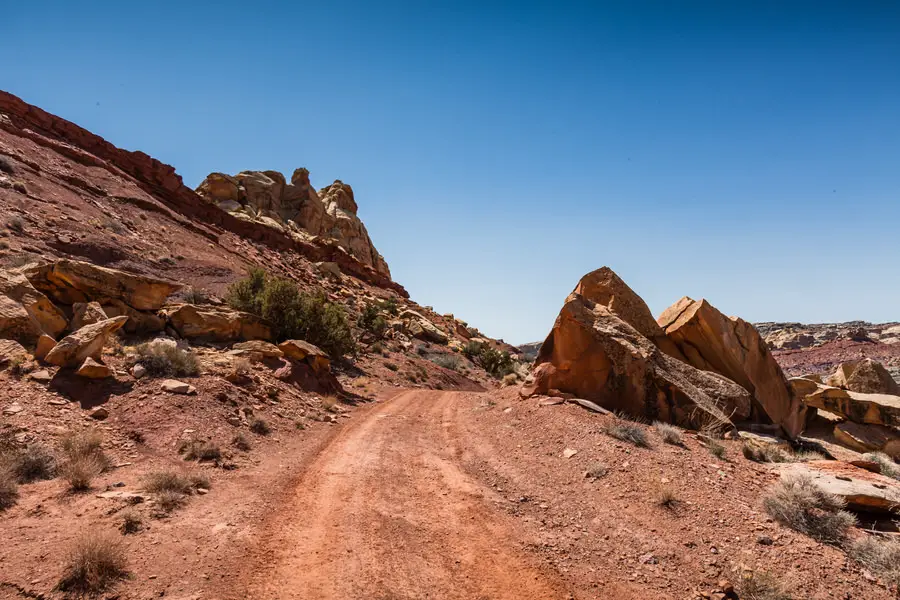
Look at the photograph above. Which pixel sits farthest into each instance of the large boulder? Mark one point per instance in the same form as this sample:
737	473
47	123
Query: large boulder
71	281
733	348
605	287
87	342
595	354
864	375
262	190
300	350
868	438
420	327
875	409
25	312
216	323
220	188
862	490
85	313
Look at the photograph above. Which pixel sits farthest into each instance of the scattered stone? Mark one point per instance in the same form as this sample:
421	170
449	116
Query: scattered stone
569	452
99	413
173	386
42	376
13	409
91	369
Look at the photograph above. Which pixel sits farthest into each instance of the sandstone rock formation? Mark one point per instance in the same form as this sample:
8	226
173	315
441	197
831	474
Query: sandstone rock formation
862	490
875	409
87	342
300	350
71	281
265	196
26	313
864	375
732	347
596	352
868	438
216	323
417	325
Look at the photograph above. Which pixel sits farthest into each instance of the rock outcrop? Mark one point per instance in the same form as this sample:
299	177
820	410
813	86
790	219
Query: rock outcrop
216	323
866	376
25	312
596	352
72	281
265	196
874	409
732	347
862	490
87	342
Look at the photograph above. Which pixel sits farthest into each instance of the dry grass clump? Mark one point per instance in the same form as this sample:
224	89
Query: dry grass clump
596	471
261	427
627	432
509	379
33	463
797	502
717	449
84	459
131	522
666	497
670	434
196	449
9	489
760	585
764	453
95	562
888	467
170	489
329	402
880	556
166	360
241	442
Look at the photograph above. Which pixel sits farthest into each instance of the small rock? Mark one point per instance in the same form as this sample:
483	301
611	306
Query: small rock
174	386
13	409
138	371
202	491
648	559
233	420
764	540
99	413
91	369
569	452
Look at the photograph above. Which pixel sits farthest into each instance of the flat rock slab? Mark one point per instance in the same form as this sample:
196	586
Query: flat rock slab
173	386
862	490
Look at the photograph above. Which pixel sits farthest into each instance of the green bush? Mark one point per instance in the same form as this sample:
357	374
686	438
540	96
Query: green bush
294	314
495	362
370	320
390	307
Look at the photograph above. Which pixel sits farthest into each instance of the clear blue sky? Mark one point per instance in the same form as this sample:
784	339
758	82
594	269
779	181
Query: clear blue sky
746	152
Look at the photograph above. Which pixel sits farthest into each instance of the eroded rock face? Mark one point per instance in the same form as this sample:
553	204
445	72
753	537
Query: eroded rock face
266	197
862	490
875	409
864	375
733	348
25	312
87	342
216	323
71	281
596	354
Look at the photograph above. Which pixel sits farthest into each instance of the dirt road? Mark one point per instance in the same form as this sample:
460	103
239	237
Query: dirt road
385	511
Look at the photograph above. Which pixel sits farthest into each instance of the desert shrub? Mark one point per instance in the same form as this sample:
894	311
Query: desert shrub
472	349
6	166
193	295
390	306
377	348
168	500
716	449
9	489
80	471
764	453
596	471
627	432
167	481
260	427
241	442
33	463
392	366
497	363
666	497
166	360
888	467
15	223
670	434
131	522
95	562
370	320
196	449
329	402
448	361
758	585
797	502
510	379
294	314
85	443
880	556
199	481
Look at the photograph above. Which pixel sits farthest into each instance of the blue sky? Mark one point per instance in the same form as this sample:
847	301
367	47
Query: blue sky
745	152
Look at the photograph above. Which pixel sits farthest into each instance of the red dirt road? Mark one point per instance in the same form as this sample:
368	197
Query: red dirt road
386	511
